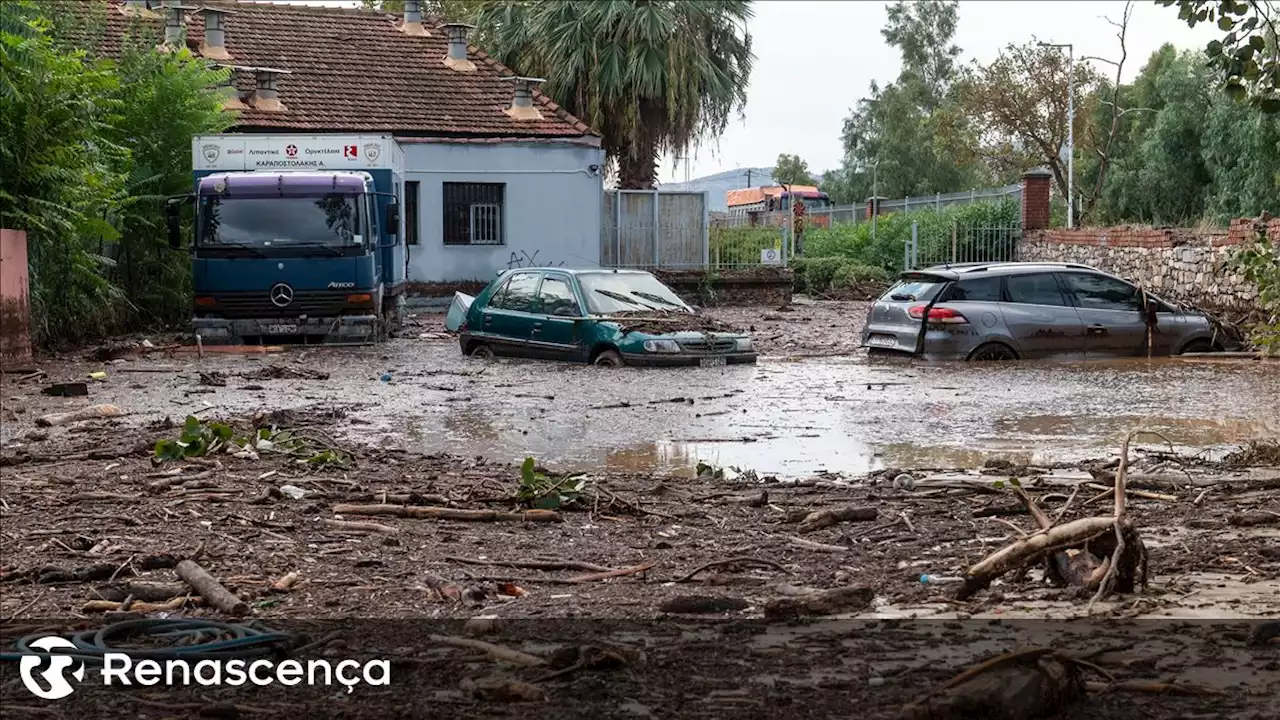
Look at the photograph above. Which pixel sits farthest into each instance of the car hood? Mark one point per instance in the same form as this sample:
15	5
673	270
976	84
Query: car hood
669	324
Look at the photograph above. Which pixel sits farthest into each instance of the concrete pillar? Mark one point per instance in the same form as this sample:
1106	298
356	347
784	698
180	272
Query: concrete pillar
1035	199
15	309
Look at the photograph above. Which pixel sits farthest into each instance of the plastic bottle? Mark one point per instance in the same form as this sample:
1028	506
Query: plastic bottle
940	579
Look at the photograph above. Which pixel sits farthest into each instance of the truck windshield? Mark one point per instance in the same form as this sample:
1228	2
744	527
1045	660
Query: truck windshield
333	221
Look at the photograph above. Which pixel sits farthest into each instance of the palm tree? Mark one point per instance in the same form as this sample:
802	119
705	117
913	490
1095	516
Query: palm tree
651	76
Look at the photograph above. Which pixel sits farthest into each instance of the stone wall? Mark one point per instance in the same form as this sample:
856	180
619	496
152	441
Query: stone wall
1179	264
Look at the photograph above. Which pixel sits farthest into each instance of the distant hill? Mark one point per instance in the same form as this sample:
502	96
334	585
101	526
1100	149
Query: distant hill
720	183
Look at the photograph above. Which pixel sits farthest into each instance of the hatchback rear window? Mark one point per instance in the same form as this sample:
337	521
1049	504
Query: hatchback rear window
912	291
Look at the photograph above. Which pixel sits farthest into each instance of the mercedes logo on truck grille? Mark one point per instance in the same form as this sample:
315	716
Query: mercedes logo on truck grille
281	295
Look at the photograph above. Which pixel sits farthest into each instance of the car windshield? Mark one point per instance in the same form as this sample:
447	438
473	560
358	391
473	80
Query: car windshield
334	220
608	293
913	290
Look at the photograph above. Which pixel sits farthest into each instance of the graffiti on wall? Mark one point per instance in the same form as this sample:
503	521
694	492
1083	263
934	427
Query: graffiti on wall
522	259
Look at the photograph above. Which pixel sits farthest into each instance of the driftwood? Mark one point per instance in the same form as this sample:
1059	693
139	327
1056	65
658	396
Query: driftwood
495	652
819	602
703	605
210	589
350	526
286	582
440	513
1024	684
1253	519
92	412
144	591
501	689
533	564
1104	554
139	607
826	518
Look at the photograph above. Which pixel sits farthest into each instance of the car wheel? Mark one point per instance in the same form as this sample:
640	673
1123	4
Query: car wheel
482	352
608	358
993	351
1199	346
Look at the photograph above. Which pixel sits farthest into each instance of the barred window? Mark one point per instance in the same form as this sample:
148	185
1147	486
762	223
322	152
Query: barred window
473	213
411	212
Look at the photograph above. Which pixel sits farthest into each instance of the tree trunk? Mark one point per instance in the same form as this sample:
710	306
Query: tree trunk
638	169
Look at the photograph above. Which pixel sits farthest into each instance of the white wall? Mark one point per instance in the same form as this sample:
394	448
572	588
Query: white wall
551	215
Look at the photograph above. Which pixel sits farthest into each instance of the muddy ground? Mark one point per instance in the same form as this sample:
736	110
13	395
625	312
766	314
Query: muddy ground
84	507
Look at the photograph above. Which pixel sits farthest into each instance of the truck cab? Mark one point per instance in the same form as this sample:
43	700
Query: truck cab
294	238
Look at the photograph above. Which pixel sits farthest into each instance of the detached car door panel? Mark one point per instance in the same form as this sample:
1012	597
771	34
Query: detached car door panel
1111	311
1040	319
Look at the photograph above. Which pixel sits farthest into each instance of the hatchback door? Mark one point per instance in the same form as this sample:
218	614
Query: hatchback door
1111	310
889	323
1040	319
507	321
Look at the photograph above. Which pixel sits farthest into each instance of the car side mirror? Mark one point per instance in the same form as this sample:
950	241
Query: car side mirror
564	311
393	218
173	214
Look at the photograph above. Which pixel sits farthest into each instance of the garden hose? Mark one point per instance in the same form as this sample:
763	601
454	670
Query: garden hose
189	640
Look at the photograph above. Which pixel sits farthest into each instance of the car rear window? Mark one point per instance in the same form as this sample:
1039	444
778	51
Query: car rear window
982	289
909	290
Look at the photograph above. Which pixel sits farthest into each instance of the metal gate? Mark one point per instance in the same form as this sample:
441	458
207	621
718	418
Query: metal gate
958	244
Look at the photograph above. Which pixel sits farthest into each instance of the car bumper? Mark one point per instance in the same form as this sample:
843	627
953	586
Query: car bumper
346	328
939	344
683	360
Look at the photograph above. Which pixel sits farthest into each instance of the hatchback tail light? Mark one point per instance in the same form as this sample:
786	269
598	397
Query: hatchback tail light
937	315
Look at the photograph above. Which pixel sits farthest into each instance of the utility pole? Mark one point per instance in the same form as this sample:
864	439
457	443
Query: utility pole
1071	128
748	177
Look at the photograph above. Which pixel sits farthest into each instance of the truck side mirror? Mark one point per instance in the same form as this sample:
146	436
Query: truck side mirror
173	213
393	219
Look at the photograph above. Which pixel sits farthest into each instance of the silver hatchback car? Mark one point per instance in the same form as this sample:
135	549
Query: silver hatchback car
1010	311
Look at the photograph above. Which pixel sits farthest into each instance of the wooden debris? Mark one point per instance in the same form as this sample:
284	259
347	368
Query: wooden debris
89	413
440	513
351	526
826	518
533	564
495	652
612	573
176	603
819	602
816	546
1254	519
1155	687
210	589
703	605
501	689
144	591
732	561
1024	684
286	582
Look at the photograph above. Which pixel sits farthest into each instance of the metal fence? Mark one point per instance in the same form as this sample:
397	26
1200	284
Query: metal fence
959	244
941	200
654	228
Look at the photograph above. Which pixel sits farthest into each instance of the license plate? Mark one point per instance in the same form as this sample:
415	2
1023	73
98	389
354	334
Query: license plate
882	341
282	329
711	362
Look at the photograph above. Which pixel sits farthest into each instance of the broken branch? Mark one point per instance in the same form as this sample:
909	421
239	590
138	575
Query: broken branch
439	513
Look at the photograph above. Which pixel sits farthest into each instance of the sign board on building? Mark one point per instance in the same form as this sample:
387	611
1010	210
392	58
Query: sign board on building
296	152
770	256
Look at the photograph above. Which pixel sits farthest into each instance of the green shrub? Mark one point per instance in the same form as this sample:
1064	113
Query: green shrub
742	245
851	275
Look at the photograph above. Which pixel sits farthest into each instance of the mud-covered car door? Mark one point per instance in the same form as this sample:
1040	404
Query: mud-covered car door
555	333
1111	310
507	321
1040	319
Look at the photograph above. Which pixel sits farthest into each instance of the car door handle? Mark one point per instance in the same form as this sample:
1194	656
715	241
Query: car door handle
1096	329
488	319
537	325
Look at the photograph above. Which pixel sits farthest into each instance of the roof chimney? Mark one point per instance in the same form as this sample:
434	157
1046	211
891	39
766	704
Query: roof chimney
457	57
173	15
138	8
235	97
522	107
214	46
266	97
412	24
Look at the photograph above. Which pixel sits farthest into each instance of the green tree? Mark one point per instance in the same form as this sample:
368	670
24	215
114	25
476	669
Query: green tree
791	170
651	76
909	137
1247	56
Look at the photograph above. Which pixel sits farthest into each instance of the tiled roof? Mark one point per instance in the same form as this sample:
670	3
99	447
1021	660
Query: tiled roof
353	70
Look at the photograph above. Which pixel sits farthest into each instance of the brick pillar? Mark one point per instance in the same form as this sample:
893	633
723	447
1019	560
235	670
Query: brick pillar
15	339
873	206
1035	199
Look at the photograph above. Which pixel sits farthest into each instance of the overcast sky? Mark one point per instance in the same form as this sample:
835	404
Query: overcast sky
816	58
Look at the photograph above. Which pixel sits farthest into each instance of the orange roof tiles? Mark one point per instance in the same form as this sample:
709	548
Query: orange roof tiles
353	70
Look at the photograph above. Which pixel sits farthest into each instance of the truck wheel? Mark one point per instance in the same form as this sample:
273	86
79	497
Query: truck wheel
609	358
481	352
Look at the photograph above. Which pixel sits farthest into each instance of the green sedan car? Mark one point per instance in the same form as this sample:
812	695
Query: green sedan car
603	317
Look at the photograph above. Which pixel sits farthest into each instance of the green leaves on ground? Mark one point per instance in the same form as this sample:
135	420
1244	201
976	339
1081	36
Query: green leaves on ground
201	438
542	492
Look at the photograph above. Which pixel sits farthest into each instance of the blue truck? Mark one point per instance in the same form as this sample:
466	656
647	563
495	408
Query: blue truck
297	238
